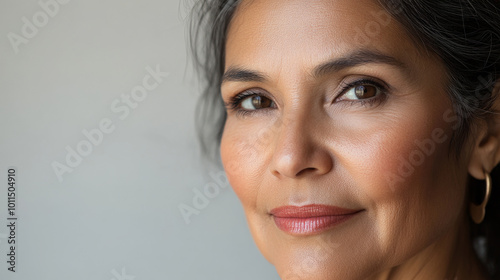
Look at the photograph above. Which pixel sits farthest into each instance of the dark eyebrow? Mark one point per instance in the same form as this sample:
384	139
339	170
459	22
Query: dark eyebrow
354	59
237	74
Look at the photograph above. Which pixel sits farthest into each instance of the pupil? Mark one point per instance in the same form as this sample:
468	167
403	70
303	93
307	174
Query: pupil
257	101
365	91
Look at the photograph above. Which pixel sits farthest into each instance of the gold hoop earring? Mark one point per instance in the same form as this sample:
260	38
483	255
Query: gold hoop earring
477	212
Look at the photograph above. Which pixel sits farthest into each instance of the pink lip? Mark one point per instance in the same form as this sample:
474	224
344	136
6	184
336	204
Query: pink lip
310	219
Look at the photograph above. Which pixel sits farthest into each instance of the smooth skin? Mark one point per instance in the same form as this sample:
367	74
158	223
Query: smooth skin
336	99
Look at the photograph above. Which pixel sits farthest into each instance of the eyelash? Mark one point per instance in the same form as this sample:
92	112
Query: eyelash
235	101
369	102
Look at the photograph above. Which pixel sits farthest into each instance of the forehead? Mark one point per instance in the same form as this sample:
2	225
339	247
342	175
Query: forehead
307	32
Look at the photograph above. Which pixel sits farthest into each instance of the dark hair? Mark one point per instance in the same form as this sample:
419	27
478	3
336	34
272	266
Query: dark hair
464	34
210	21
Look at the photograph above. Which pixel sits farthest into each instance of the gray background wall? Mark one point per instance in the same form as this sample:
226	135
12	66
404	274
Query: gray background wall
64	67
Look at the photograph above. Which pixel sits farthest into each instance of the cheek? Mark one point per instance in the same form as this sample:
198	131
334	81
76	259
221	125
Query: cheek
397	159
405	174
387	153
241	152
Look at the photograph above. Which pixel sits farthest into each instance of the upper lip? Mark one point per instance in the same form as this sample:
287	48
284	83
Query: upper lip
310	211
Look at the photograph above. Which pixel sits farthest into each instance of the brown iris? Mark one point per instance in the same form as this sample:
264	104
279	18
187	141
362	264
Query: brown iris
365	91
260	102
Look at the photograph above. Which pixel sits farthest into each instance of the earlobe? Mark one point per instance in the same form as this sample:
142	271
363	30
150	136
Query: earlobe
486	147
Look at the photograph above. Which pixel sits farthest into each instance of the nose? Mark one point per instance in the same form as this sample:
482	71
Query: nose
301	149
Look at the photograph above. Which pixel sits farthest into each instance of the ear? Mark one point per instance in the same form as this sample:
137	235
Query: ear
485	153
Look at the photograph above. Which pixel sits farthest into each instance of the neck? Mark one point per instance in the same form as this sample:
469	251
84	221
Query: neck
450	258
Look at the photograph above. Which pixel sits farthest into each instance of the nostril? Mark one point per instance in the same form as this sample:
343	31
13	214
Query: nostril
301	163
302	172
306	171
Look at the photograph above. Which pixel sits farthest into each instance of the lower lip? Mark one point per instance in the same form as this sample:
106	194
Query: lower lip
310	225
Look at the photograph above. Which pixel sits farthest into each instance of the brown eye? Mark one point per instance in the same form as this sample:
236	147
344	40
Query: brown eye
365	91
256	102
360	92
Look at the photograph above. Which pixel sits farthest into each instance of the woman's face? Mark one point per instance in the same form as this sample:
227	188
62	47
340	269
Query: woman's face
337	138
